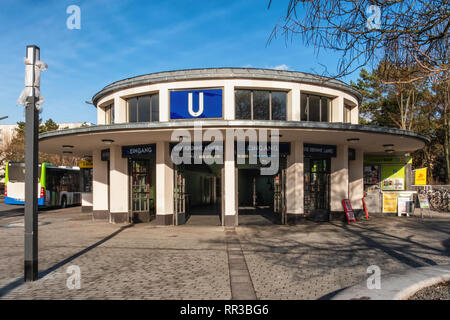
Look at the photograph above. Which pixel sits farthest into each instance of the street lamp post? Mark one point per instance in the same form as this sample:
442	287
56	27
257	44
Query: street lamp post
31	98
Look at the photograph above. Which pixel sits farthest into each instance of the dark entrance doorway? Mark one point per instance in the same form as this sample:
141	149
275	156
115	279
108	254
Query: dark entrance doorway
198	194
261	198
317	188
142	188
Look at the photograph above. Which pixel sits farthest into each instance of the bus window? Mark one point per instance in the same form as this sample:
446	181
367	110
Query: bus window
16	172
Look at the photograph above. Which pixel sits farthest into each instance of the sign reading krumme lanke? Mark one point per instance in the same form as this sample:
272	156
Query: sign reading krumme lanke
193	104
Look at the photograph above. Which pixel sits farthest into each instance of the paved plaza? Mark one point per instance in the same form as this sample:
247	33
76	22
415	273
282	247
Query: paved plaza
194	261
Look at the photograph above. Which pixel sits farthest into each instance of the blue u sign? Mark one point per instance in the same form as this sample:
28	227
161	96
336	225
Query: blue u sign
192	104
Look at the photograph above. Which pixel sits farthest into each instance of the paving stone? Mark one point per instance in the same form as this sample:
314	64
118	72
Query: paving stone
307	261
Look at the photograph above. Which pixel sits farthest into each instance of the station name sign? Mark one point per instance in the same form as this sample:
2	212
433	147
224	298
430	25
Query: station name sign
319	149
283	148
194	104
194	150
139	150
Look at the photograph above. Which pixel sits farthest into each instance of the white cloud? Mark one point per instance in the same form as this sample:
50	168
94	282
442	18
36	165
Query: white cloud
281	67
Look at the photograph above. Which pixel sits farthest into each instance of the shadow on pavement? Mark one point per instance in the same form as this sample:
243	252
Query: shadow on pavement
17	283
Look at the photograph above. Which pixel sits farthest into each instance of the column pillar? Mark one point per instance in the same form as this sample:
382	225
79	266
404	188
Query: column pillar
100	208
355	180
294	183
337	109
164	108
164	185
339	179
228	107
229	190
120	110
294	105
118	174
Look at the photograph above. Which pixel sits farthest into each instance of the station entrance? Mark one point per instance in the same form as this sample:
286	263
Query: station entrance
198	194
142	188
317	188
261	198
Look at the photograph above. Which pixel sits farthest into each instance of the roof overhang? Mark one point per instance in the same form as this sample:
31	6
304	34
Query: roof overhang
371	138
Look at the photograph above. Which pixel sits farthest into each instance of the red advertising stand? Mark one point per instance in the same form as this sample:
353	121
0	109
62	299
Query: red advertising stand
348	210
365	208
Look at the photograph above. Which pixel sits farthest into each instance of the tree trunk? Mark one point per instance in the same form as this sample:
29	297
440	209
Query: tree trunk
446	135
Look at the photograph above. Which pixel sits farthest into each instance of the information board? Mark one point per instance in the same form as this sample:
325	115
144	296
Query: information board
423	201
348	210
389	203
420	177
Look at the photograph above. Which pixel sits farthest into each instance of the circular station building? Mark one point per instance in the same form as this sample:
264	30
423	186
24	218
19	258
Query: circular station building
302	127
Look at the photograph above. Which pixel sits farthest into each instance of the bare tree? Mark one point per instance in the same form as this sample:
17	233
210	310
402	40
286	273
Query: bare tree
366	32
410	36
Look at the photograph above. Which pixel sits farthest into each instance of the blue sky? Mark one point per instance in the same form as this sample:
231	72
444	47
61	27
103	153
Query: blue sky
123	38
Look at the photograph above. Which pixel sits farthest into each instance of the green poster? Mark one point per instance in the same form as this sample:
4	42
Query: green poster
393	177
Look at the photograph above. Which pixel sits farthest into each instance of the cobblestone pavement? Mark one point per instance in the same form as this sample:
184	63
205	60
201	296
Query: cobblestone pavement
314	260
191	262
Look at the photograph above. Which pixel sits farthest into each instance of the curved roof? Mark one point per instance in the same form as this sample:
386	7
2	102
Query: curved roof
225	73
237	123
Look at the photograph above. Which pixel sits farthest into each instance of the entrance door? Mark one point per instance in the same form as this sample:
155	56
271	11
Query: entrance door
179	196
279	196
317	188
142	202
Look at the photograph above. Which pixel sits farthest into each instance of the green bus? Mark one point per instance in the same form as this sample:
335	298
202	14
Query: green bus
57	186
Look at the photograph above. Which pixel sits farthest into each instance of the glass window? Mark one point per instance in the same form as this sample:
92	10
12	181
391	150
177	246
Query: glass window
132	110
314	108
155	107
144	109
347	113
278	105
261	105
325	108
304	107
243	104
109	114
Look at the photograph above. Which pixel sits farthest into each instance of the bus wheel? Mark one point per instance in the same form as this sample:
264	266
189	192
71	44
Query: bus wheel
64	202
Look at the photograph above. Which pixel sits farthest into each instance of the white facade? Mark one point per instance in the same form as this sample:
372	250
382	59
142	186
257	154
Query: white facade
301	127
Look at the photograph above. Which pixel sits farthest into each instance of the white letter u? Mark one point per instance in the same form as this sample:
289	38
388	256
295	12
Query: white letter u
200	104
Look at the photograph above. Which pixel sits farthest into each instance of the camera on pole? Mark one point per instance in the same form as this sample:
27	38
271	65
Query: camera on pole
31	98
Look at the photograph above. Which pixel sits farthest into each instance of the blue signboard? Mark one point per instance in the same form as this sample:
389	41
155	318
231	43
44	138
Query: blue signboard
193	104
284	148
140	150
319	150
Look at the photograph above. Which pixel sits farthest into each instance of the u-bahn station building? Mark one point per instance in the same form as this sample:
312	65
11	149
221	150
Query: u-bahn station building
321	148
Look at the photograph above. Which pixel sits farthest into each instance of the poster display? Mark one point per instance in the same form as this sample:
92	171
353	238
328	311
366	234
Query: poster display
371	174
404	203
423	201
389	203
420	177
393	177
348	210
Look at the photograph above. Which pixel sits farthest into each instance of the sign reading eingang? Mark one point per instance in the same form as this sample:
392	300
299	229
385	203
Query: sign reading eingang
194	104
139	150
